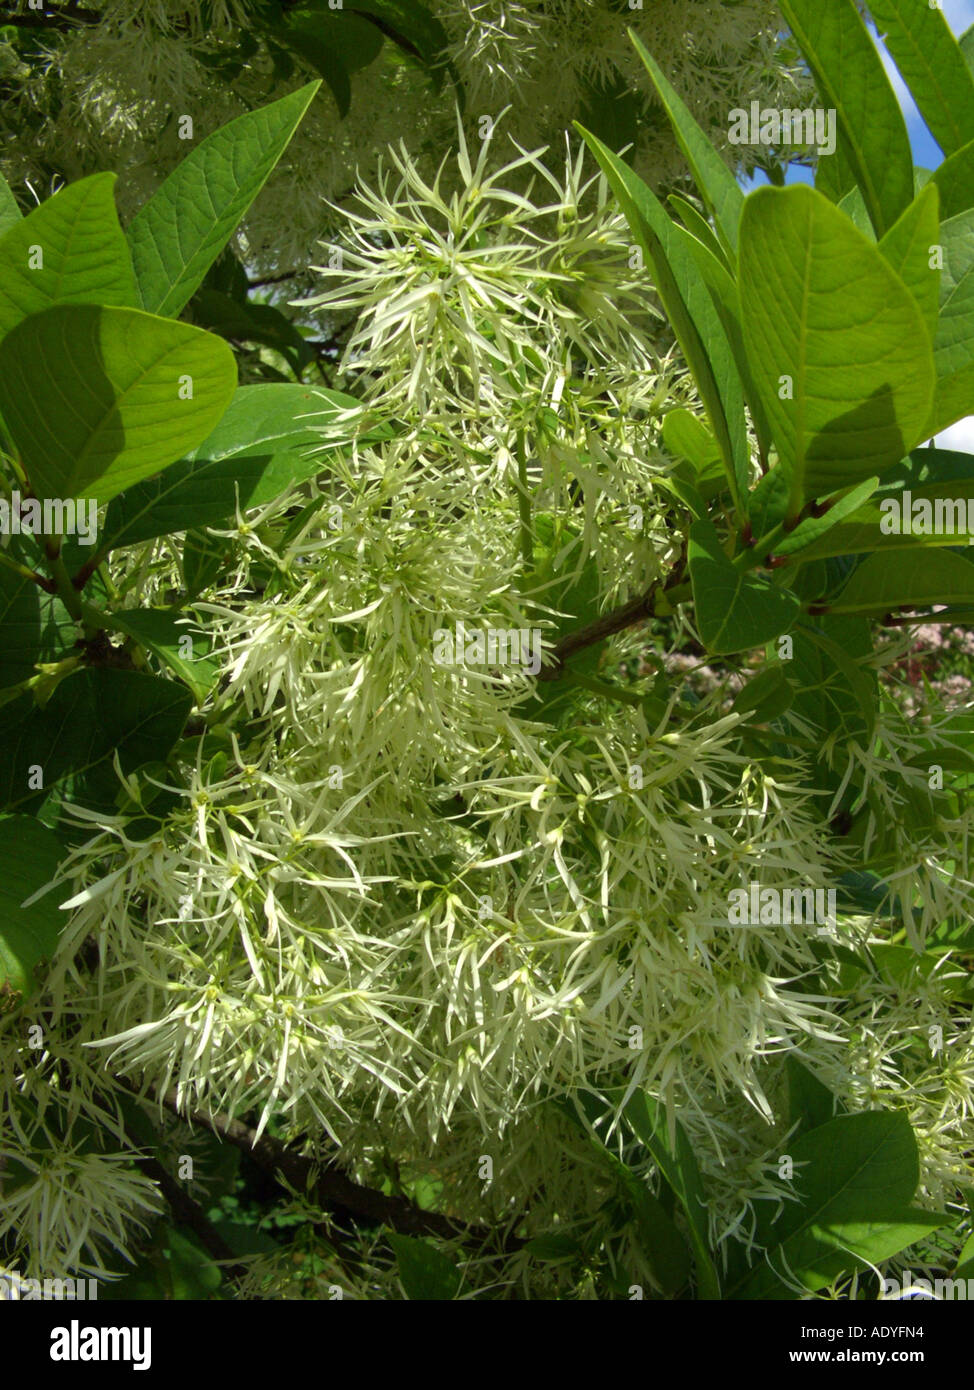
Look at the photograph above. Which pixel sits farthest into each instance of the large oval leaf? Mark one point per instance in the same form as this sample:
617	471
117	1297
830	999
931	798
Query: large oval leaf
839	350
96	399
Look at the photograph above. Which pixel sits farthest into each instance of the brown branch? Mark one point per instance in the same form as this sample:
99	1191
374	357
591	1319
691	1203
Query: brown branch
331	1188
637	610
60	20
388	31
190	1214
275	279
185	1211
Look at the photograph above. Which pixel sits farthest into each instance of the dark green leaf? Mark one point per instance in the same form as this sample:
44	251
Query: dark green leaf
20	627
854	1177
766	695
178	642
29	857
610	109
673	1155
426	1273
810	1102
91	715
661	1243
735	611
270	437
409	24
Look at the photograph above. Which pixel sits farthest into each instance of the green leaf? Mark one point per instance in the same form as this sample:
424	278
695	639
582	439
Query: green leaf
29	857
723	291
965	1261
10	212
661	1243
119	376
320	53
844	670
91	715
82	248
269	437
918	578
907	247
192	1273
344	34
673	1155
836	178
553	1247
955	180
687	437
809	531
769	510
810	1102
932	65
20	627
735	611
202	559
928	475
953	346
426	1273
854	206
834	692
411	25
862	892
251	323
766	695
966	43
175	640
715	182
185	225
825	316
690	310
699	227
174	1268
854	1177
610	109
872	134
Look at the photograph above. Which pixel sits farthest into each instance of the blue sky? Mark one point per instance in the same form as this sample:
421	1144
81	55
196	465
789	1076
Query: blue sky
926	153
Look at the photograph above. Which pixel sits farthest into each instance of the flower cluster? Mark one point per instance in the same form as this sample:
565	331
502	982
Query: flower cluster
406	906
110	94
